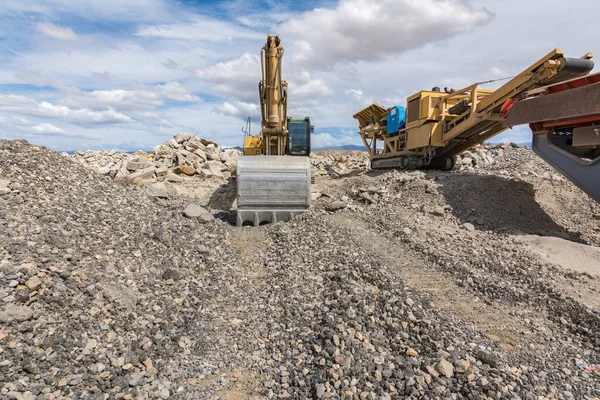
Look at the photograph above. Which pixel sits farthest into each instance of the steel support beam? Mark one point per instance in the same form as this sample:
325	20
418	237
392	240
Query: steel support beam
583	173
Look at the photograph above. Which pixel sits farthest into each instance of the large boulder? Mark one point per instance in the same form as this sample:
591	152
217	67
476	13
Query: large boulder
143	174
138	163
195	211
212	152
182	137
215	167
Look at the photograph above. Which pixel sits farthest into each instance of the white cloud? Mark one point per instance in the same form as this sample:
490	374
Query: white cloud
201	28
46	128
141	97
84	116
238	78
324	139
312	90
56	31
240	109
374	30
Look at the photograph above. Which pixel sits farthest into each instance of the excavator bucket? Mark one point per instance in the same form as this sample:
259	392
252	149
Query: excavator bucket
272	188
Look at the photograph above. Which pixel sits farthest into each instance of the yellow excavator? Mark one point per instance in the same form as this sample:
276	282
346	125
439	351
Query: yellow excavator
274	173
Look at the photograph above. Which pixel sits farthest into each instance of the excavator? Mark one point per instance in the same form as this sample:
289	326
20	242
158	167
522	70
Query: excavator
556	96
274	173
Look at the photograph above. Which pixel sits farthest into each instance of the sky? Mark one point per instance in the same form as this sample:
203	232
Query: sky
129	74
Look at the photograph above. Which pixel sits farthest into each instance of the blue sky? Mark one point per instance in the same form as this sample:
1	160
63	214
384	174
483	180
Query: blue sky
129	74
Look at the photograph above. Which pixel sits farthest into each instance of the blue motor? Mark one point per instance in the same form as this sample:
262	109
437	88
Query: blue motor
396	120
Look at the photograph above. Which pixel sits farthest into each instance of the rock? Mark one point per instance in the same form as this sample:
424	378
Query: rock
214	167
161	171
185	169
412	352
445	368
138	164
439	211
201	154
488	358
597	216
206	218
134	379
33	283
206	173
174	178
164	394
142	174
104	170
462	366
320	390
194	211
4	189
335	205
469	226
14	313
182	137
161	151
158	189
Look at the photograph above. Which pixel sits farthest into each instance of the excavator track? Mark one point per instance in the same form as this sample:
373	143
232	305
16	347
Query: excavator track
412	162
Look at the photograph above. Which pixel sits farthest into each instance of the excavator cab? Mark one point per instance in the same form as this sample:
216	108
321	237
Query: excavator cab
298	139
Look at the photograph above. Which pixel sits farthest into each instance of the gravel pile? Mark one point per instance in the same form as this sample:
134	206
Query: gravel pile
336	164
102	291
465	226
344	325
395	285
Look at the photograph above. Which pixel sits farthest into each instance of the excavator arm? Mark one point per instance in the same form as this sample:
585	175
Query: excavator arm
272	185
273	98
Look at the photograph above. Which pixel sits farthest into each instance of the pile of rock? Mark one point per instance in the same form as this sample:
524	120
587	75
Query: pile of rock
336	164
483	156
183	155
112	320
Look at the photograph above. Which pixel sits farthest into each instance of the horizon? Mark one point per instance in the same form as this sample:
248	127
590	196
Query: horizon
83	75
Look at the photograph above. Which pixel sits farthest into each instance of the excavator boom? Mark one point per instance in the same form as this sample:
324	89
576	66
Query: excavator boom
274	176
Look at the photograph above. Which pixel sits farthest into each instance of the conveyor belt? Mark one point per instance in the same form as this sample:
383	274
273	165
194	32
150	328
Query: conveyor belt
571	68
485	129
568	104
